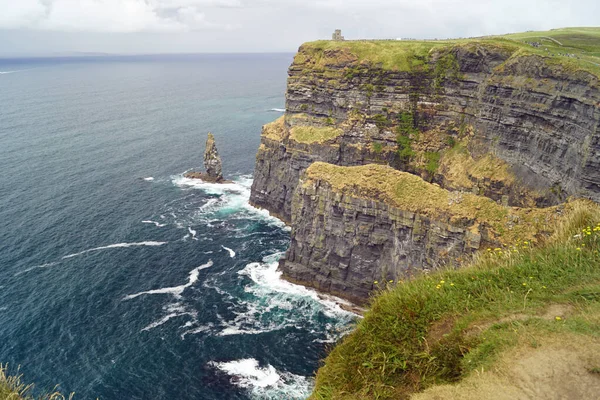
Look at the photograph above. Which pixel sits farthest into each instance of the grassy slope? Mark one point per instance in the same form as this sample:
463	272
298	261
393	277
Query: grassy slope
452	325
404	55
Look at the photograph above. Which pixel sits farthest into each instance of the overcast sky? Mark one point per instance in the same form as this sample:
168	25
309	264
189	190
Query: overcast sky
191	26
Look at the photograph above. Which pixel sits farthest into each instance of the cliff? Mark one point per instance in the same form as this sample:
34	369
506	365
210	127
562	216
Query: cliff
355	229
495	117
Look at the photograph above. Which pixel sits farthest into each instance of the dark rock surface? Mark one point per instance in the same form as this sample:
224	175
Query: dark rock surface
343	244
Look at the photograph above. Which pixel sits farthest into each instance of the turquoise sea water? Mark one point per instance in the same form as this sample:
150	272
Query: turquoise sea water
119	278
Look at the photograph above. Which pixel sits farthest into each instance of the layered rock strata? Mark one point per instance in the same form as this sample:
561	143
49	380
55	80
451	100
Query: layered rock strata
356	229
480	117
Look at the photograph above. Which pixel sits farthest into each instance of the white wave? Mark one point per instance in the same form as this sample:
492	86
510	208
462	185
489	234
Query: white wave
199	329
231	252
160	321
209	204
233	197
159	225
176	290
174	310
268	278
193	233
8	72
265	382
36	267
276	304
3	308
277	109
149	179
115	246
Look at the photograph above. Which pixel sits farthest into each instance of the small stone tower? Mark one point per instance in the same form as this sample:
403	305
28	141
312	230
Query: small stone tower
337	35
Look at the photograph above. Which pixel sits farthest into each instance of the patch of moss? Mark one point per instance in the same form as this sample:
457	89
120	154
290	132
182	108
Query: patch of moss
377	147
432	162
275	130
314	134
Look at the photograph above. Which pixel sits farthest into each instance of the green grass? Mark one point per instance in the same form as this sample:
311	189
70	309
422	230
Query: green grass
441	327
397	55
408	55
12	388
314	134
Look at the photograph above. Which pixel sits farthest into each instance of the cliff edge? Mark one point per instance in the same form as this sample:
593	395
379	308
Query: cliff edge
513	119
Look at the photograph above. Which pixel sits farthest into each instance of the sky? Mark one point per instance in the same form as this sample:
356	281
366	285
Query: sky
40	27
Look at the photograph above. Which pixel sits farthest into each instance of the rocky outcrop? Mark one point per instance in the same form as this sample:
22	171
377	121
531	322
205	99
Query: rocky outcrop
356	229
212	164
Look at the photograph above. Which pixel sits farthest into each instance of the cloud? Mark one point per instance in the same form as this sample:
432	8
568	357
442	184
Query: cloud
111	15
152	26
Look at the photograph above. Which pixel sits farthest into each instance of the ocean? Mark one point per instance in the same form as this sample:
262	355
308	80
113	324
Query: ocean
120	278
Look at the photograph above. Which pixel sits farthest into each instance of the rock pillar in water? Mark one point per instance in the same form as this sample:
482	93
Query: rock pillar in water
212	161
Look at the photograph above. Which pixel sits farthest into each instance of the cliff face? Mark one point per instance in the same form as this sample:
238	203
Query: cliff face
489	119
356	229
536	121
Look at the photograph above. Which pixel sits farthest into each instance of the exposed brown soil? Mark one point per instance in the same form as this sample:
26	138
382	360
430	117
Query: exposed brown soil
559	368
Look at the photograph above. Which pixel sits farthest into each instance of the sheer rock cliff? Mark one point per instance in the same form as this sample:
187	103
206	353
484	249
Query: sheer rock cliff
481	118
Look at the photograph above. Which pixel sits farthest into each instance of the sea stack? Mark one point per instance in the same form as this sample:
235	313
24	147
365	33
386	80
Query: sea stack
212	164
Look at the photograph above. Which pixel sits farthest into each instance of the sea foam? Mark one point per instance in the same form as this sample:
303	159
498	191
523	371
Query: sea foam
231	252
115	246
175	290
265	382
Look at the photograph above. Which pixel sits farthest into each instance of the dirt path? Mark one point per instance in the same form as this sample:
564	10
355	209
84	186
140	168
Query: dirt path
559	368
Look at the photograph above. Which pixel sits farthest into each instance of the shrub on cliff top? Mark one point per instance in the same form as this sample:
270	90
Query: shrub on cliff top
442	327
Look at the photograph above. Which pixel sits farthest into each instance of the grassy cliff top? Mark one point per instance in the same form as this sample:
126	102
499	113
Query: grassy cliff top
507	326
573	46
411	193
275	130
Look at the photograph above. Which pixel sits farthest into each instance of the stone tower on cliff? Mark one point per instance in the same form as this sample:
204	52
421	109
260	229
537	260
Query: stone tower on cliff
337	35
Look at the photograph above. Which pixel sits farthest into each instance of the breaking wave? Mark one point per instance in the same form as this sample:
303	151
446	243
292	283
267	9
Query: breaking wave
158	225
271	300
230	198
265	382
